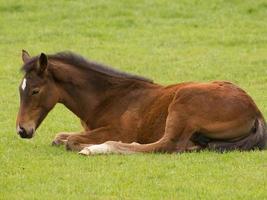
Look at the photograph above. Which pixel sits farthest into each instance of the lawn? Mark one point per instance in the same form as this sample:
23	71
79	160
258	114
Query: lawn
168	41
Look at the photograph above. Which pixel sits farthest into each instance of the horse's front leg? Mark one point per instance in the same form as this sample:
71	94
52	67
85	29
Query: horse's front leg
62	137
97	136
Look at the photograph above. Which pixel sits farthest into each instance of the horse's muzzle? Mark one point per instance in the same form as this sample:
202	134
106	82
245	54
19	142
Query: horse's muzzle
23	133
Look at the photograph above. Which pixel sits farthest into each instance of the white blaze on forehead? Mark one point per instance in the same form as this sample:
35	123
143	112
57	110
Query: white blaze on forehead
24	83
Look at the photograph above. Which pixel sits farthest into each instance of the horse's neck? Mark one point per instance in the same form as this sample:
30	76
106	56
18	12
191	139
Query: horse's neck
76	91
81	92
74	100
80	100
82	95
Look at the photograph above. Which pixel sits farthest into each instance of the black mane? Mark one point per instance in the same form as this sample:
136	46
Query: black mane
78	61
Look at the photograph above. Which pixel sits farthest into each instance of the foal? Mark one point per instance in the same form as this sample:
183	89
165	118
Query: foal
124	113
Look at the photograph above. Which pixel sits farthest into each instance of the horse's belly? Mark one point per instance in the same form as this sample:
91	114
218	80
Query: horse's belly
227	130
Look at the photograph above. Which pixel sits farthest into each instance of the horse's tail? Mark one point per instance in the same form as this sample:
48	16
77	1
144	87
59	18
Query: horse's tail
257	139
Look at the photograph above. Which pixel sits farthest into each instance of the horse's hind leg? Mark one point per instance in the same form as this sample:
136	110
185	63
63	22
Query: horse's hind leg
164	145
178	132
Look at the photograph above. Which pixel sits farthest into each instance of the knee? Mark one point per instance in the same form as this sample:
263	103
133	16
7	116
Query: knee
71	143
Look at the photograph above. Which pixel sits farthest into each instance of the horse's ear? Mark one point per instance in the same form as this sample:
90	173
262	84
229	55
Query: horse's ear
42	63
25	56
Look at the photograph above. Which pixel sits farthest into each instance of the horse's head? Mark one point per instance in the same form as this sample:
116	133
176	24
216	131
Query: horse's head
38	94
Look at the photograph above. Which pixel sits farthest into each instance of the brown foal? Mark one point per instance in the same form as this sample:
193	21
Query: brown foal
124	113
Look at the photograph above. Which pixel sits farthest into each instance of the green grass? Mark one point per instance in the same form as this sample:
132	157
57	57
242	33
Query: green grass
169	41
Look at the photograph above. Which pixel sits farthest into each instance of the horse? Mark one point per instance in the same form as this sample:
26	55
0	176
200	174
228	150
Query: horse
124	113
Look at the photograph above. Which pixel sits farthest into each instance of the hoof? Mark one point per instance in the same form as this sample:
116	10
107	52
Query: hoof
55	143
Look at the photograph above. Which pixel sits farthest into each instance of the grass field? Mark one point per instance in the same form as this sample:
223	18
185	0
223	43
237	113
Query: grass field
169	41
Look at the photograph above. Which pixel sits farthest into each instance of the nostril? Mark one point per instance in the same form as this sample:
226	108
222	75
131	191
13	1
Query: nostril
22	132
19	129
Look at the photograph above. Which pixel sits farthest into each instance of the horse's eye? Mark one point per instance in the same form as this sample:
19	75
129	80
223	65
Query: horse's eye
35	91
